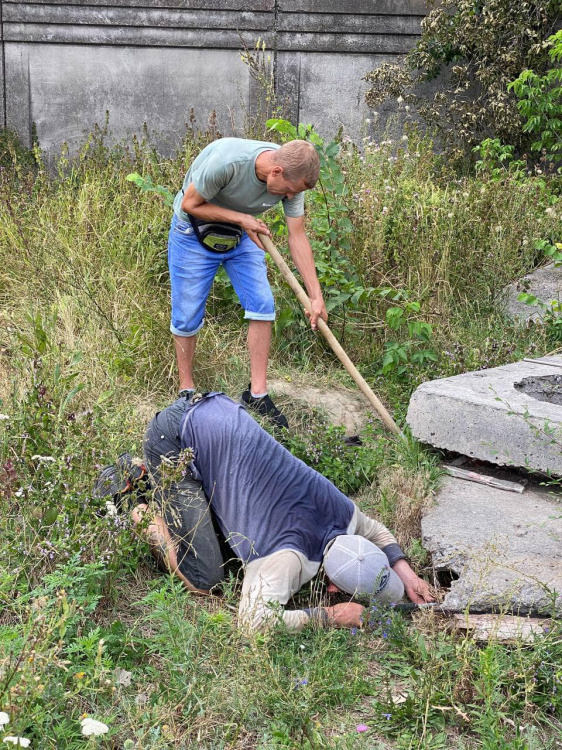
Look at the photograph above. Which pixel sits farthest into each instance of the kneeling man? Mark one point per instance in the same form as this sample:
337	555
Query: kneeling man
280	517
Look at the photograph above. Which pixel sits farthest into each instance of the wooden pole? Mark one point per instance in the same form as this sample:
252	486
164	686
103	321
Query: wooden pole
329	336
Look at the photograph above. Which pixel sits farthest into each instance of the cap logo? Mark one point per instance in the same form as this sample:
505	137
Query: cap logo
382	581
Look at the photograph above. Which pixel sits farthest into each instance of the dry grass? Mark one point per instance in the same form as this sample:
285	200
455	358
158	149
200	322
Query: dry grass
407	492
399	496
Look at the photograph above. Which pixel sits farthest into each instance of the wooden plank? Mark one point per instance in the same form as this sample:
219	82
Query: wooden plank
396	44
92	16
543	362
352	23
239	5
134	37
368	7
473	476
502	628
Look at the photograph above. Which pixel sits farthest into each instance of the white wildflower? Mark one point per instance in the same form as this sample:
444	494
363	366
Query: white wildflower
19	741
400	99
548	211
19	493
4	719
122	677
385	209
44	459
4	417
110	508
404	137
368	121
407	107
91	726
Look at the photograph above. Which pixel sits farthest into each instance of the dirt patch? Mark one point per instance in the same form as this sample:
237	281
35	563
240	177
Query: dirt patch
342	407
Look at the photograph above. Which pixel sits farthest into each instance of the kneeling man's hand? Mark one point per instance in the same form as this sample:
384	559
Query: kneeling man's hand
345	615
417	589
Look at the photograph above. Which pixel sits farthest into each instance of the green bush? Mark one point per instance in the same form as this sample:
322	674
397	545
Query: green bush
474	50
540	104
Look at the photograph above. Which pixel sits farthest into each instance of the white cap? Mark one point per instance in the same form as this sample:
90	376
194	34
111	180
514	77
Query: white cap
357	566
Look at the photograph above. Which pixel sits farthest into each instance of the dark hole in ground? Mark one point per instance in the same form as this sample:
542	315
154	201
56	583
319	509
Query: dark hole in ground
446	577
544	388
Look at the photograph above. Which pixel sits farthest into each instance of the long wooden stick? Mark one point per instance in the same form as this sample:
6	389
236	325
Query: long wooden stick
329	336
473	476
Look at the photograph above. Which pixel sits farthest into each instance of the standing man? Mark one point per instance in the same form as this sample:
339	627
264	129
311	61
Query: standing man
229	183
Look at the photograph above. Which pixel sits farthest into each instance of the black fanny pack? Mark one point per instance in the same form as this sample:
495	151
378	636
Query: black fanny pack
216	236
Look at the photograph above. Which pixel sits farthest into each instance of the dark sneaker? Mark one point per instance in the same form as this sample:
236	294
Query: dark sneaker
119	479
353	441
265	407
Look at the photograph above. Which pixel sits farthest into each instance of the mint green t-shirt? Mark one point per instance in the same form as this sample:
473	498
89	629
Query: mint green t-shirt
224	174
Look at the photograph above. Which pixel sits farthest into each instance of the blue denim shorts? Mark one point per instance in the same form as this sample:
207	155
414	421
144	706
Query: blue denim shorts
193	268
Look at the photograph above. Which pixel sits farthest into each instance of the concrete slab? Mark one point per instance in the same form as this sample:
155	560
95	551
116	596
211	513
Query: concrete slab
505	548
545	283
495	415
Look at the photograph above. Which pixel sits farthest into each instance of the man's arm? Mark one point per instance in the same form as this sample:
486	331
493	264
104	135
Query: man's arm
161	544
268	585
194	203
416	588
301	253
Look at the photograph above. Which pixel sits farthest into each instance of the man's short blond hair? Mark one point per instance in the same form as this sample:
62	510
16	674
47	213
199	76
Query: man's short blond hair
300	161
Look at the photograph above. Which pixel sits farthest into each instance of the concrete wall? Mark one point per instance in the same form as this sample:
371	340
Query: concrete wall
64	63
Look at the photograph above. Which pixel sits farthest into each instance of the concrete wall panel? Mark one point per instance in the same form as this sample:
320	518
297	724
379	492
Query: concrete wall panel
158	87
368	7
130	36
17	91
345	43
240	5
25	13
349	24
2	90
329	100
68	61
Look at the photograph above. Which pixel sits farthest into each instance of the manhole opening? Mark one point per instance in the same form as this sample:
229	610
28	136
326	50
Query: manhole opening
544	388
446	577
